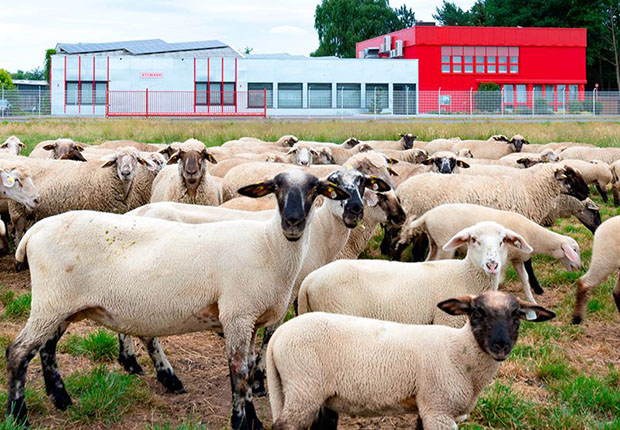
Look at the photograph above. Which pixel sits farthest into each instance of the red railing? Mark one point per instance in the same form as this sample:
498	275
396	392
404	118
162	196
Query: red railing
150	103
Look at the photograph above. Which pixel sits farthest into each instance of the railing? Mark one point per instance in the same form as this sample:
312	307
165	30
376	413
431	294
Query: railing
149	103
31	102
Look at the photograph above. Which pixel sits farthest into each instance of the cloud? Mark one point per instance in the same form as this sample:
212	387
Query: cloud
286	29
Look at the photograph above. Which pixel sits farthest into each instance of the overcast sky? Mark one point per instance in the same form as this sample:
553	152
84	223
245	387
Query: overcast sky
269	26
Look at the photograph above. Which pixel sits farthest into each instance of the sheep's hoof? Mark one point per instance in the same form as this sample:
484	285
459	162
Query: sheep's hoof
248	421
131	365
170	381
577	320
258	388
62	401
21	266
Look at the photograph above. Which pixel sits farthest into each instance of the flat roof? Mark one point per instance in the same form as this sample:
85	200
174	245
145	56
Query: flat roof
138	47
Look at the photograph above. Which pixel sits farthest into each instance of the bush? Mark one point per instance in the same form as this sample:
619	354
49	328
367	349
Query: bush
488	97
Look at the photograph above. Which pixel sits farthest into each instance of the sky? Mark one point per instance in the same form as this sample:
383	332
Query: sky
267	26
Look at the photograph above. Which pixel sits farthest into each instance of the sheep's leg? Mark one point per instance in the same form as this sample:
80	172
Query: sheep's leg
616	292
522	273
327	420
616	195
54	386
127	355
602	192
239	334
165	372
418	251
437	422
258	376
532	277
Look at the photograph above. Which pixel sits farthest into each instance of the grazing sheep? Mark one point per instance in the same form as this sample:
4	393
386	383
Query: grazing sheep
595	172
12	145
605	260
494	148
407	292
586	211
321	365
608	155
65	149
532	197
443	222
103	265
405	142
189	181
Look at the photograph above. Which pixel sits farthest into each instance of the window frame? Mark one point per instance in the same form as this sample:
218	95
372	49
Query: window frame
299	87
77	98
219	96
309	97
254	95
340	103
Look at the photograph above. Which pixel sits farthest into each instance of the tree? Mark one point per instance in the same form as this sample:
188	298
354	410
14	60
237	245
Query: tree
5	80
48	63
34	74
342	23
450	14
247	50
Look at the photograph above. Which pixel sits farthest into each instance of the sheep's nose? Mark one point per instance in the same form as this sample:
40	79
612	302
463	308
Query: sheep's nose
492	266
37	200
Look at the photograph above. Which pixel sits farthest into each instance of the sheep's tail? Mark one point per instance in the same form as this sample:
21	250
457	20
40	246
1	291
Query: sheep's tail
303	304
412	229
276	392
21	262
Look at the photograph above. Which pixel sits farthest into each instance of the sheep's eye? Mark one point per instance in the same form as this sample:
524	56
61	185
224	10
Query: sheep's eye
477	314
473	240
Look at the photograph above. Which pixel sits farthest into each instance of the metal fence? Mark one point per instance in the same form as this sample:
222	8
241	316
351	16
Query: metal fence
16	102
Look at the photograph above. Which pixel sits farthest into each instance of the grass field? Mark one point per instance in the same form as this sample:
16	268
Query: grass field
559	376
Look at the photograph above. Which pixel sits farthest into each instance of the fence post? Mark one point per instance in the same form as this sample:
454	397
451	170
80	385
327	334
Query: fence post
471	101
439	101
564	101
501	97
594	101
3	99
406	100
374	107
39	101
533	101
147	102
265	102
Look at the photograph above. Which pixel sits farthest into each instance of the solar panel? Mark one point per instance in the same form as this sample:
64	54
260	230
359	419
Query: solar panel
140	47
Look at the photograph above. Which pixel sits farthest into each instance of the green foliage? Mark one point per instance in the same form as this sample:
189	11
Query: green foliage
450	14
103	396
9	423
48	63
100	345
5	80
15	307
342	23
34	74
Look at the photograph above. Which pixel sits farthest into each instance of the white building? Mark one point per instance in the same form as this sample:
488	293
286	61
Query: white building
154	78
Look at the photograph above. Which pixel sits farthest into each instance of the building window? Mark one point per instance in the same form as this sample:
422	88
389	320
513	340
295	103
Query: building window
86	94
514	69
257	93
377	97
445	68
290	95
573	92
479	59
503	68
491	68
213	92
319	95
509	97
445	58
521	93
479	68
549	94
457	68
349	96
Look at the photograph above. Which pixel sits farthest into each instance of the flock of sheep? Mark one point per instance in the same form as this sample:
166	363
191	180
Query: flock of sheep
154	240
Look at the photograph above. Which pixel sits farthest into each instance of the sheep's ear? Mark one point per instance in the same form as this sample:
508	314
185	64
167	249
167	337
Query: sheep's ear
8	180
534	313
174	157
111	162
518	241
78	147
458	240
291	151
210	158
77	156
592	206
392	171
524	161
4	145
22	145
364	147
525	142
571	254
167	151
50	146
391	160
462	164
259	189
377	184
332	191
458	306
428	161
560	174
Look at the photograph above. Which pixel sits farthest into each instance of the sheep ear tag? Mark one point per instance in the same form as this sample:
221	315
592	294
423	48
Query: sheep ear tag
7	180
530	314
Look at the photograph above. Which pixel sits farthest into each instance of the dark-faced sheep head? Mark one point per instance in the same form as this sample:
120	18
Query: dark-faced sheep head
389	203
408	140
590	215
517	141
65	149
495	318
572	182
444	163
17	185
350	142
192	167
295	192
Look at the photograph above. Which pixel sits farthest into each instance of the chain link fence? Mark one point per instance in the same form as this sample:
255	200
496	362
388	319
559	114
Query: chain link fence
24	102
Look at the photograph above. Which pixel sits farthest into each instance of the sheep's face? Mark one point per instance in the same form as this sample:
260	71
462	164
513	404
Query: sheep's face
393	212
126	161
465	153
528	162
350	143
568	254
302	156
572	182
416	156
590	215
517	142
408	140
355	183
487	245
324	156
13	145
191	167
155	161
289	140
17	185
494	318
444	163
65	149
295	192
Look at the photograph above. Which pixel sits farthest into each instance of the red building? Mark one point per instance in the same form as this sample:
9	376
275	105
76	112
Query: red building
528	63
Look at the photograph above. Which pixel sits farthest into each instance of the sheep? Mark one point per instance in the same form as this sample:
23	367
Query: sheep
608	155
595	172
405	142
615	183
12	145
413	155
441	144
555	146
321	365
249	142
70	185
494	148
230	152
605	261
65	149
407	292
527	160
532	197
248	204
303	154
586	211
445	162
140	146
103	265
442	222
189	181
16	183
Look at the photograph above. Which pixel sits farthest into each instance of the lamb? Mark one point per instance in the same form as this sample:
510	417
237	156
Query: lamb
405	142
532	198
442	222
321	365
605	261
62	148
608	155
493	148
189	181
12	145
113	294
407	292
586	211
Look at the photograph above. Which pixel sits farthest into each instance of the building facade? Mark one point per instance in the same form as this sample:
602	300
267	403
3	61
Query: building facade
529	64
208	79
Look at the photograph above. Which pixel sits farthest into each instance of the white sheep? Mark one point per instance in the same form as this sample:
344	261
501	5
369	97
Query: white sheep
605	261
494	148
321	365
62	148
445	162
555	146
443	222
12	145
615	183
608	155
249	142
103	265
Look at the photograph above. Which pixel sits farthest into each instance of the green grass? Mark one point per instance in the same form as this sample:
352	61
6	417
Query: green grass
103	396
15	306
188	424
100	345
10	424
